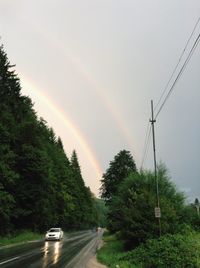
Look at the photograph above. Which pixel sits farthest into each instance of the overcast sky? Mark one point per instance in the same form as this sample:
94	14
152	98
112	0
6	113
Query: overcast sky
92	67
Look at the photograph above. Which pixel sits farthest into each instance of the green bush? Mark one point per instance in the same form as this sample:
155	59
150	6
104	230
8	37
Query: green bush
111	253
177	251
132	209
191	217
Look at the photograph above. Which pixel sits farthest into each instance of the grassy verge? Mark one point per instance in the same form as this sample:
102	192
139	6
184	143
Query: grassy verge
20	238
169	251
111	253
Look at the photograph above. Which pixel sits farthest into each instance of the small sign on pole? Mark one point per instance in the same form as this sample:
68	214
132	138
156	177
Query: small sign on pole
157	212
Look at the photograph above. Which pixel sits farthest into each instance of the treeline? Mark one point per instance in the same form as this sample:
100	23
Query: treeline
131	198
40	186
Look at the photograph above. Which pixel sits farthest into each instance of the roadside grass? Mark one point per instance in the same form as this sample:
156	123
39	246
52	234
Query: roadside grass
21	237
197	238
111	253
172	250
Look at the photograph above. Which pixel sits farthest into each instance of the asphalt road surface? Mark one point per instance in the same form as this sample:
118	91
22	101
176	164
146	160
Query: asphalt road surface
73	251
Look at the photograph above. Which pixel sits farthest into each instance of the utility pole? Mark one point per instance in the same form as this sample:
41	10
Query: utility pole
197	205
157	209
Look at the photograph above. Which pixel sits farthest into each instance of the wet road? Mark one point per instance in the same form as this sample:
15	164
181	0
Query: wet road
73	251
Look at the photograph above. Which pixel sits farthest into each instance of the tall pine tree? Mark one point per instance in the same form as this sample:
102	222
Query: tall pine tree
119	169
39	186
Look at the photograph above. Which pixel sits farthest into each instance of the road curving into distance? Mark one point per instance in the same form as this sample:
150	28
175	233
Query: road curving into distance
73	251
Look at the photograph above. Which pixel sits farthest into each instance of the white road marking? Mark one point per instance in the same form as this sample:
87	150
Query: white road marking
1	263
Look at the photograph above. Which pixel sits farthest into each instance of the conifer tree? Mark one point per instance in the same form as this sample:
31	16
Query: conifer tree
39	186
119	169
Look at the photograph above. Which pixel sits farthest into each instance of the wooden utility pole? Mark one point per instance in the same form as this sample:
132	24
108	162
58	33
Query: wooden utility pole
157	209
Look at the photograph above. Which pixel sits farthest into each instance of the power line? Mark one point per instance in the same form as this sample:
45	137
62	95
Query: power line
175	68
180	73
148	130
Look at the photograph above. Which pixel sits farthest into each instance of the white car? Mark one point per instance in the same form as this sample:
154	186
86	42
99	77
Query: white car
54	234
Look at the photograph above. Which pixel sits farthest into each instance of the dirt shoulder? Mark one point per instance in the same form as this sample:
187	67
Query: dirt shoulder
93	263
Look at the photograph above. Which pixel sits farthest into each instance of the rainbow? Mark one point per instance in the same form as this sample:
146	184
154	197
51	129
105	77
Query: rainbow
32	88
108	104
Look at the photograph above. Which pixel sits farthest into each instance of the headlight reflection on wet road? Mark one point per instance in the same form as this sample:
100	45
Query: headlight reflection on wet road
56	252
46	246
52	251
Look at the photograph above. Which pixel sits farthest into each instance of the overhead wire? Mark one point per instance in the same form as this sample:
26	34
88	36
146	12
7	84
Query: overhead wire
179	74
179	60
148	130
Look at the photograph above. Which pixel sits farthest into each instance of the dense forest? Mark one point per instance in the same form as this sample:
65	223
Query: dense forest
40	186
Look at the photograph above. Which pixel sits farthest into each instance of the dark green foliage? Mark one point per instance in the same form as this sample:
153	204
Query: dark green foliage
102	211
83	200
119	169
191	216
6	207
179	251
131	202
112	253
39	186
133	207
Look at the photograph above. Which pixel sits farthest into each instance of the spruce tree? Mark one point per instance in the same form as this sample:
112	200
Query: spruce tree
39	186
119	169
